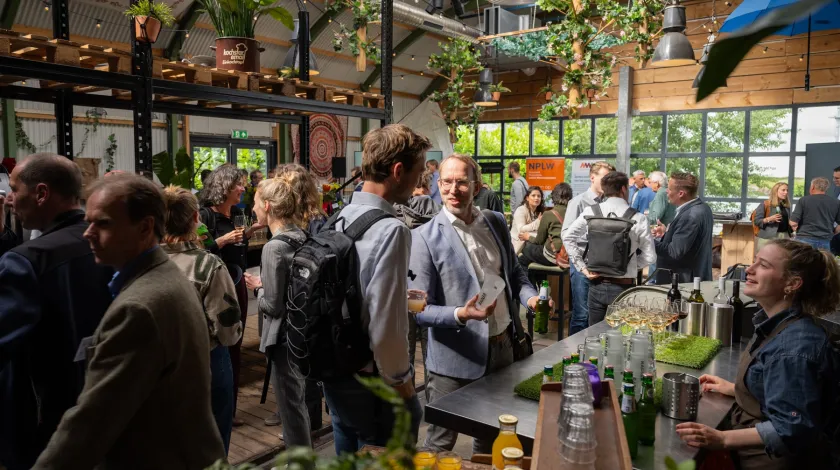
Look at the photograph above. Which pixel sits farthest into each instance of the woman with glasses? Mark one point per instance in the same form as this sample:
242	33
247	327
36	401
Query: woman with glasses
786	388
526	217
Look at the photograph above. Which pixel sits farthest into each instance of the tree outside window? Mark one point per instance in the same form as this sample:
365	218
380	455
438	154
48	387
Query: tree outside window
207	158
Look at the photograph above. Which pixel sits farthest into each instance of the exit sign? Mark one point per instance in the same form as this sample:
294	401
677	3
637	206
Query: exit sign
238	134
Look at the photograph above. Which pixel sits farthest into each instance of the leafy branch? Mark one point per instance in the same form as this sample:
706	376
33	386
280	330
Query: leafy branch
364	12
456	58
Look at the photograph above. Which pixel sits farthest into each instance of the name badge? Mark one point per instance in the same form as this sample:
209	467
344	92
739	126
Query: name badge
85	349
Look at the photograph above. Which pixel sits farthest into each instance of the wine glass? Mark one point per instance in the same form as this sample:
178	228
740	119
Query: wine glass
241	223
613	317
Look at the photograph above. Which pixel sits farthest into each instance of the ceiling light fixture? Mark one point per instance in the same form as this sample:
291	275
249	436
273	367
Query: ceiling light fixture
673	49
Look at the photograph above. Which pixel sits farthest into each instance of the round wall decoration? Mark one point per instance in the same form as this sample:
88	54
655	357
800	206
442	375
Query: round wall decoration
327	140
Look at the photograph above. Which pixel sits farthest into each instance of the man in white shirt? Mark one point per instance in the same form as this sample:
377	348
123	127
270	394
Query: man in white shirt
579	282
392	162
451	257
604	289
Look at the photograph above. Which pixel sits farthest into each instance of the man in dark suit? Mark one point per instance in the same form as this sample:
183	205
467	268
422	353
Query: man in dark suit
685	247
146	397
52	297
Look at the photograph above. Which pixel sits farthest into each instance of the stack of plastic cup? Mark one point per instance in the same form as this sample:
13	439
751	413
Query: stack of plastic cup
639	356
614	350
592	348
576	434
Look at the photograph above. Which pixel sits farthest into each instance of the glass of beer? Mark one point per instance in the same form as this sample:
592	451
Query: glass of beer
416	301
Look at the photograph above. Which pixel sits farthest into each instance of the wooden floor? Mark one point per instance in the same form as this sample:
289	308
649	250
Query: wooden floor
254	441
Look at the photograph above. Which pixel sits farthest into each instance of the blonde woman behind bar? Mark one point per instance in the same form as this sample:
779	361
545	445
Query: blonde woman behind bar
772	216
786	388
210	277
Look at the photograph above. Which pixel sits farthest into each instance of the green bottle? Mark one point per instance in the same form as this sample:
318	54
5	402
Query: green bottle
548	374
566	361
542	310
575	358
627	378
204	236
609	372
631	419
647	412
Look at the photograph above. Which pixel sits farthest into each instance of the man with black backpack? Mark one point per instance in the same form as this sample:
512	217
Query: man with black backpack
376	295
612	232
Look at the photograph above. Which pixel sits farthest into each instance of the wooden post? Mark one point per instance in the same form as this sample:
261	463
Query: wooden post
361	59
578	49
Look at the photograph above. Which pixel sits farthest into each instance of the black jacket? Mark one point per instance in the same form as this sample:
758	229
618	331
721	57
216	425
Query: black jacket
489	200
418	211
52	296
686	248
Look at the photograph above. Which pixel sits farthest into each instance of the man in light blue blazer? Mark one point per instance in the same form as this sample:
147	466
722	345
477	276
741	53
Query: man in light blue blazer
450	257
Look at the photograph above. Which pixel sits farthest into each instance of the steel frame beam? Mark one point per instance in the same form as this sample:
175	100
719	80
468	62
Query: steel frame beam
9	134
63	105
387	46
7	19
399	48
187	21
303	72
141	104
66	73
226	113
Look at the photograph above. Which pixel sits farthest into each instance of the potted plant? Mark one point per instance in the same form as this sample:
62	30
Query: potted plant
547	90
234	22
148	17
497	89
364	12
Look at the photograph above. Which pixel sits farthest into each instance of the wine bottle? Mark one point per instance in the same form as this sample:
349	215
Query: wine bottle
721	300
696	296
674	293
738	312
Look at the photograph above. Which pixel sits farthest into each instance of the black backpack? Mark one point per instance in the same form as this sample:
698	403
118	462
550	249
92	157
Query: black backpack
611	237
324	331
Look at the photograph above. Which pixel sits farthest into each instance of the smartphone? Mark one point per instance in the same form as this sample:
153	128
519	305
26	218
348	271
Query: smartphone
493	286
2	193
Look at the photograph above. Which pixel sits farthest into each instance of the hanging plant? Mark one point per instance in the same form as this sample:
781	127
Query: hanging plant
364	12
22	137
456	58
533	46
497	89
579	44
91	125
110	152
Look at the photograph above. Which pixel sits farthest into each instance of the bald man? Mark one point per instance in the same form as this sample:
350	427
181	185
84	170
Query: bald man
52	297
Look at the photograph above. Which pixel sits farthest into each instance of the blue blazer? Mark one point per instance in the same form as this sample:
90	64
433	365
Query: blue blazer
686	248
643	200
441	266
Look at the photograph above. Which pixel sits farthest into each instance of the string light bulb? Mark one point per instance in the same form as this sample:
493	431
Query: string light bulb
98	23
802	57
412	57
402	77
47	7
187	34
329	20
421	73
765	50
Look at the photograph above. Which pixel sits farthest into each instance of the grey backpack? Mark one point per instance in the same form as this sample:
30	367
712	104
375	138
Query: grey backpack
608	247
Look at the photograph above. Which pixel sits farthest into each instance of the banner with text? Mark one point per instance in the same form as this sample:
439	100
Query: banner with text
546	173
580	175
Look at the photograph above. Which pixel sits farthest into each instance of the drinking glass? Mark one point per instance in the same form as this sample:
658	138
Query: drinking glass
416	301
241	223
448	461
592	348
576	434
425	459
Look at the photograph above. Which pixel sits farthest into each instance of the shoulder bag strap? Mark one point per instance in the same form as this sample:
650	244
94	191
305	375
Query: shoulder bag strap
364	222
596	210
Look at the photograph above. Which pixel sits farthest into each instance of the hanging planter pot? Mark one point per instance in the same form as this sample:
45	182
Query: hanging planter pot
239	54
146	29
548	95
497	95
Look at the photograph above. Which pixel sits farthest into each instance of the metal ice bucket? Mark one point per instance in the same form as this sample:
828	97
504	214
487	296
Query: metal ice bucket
694	321
680	395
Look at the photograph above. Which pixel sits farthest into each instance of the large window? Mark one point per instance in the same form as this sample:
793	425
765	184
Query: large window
546	138
517	138
489	139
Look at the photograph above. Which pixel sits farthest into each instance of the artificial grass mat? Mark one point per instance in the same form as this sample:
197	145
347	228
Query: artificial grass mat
530	387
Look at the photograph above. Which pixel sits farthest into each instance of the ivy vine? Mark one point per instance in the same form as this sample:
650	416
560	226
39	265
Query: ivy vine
364	12
457	57
110	152
22	137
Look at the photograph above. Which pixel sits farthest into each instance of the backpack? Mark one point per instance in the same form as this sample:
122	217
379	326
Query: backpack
324	331
611	237
752	217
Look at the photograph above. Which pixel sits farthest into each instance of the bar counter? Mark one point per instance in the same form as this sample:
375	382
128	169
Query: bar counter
474	410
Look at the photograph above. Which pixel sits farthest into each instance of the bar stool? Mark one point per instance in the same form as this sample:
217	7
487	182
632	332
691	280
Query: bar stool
557	281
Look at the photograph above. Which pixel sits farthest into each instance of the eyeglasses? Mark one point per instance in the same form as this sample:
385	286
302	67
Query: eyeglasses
462	185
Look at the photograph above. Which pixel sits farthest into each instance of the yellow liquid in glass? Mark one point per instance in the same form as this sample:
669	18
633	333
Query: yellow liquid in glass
505	439
424	460
449	463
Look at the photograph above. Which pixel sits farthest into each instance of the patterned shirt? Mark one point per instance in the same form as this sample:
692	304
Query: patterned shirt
215	288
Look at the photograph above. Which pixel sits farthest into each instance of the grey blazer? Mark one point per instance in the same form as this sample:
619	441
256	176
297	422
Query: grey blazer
440	265
769	230
686	248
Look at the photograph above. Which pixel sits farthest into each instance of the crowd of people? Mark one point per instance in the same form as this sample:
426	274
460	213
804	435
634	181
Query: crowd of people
121	324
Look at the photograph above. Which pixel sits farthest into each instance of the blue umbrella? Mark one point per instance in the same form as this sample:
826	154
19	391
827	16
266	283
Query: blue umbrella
827	17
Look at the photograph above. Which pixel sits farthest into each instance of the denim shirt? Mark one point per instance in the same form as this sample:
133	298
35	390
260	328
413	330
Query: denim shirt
794	378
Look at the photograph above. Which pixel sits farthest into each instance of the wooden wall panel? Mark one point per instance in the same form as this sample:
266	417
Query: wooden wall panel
771	77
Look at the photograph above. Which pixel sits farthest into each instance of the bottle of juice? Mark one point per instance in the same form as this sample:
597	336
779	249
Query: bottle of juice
507	438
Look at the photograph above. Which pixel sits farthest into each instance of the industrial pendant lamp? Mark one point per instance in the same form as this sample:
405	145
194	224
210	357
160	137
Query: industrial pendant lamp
673	49
292	60
705	58
482	96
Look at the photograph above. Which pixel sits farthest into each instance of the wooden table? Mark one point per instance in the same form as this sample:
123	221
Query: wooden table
474	410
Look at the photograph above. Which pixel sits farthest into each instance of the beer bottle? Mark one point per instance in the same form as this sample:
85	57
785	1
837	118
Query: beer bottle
566	361
575	358
506	438
647	412
627	378
548	374
541	312
631	419
609	372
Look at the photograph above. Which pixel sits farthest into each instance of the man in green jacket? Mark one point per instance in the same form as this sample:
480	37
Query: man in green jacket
660	210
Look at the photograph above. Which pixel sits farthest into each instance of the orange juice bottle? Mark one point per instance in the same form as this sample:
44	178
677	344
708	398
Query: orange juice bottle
507	438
